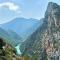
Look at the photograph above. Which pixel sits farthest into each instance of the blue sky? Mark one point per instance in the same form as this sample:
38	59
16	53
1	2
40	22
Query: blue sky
10	9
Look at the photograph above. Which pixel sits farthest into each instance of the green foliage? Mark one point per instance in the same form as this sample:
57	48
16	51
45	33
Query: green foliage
26	57
7	52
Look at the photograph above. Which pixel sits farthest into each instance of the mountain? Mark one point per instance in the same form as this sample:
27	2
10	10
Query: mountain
10	37
23	27
45	41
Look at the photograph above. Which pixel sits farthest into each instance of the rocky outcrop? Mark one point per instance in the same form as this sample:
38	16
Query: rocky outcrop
47	37
33	41
52	36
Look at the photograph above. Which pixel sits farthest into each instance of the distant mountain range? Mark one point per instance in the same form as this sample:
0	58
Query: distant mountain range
17	30
23	27
10	37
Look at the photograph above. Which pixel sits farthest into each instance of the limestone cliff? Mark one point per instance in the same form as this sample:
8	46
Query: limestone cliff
46	39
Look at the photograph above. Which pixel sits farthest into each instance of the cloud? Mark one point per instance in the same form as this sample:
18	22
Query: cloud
11	6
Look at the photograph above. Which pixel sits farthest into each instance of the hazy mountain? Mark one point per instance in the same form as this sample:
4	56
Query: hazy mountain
10	37
23	27
46	39
17	30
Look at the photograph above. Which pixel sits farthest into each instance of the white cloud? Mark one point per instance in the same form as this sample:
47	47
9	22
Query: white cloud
11	6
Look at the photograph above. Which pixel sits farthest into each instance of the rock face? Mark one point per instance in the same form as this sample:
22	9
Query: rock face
52	34
45	41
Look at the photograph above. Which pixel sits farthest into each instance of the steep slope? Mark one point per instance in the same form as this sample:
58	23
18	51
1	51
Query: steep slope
23	27
46	39
10	37
52	35
34	39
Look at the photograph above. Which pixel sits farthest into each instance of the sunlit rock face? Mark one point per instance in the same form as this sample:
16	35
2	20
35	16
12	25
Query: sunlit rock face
53	15
53	31
46	38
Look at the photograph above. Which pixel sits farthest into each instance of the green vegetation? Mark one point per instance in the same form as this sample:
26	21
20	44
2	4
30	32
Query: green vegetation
7	52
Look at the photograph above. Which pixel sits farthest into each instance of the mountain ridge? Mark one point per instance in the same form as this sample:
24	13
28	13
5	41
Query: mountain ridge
23	27
8	38
43	43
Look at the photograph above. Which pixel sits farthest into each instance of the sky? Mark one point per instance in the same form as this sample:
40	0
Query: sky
10	9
